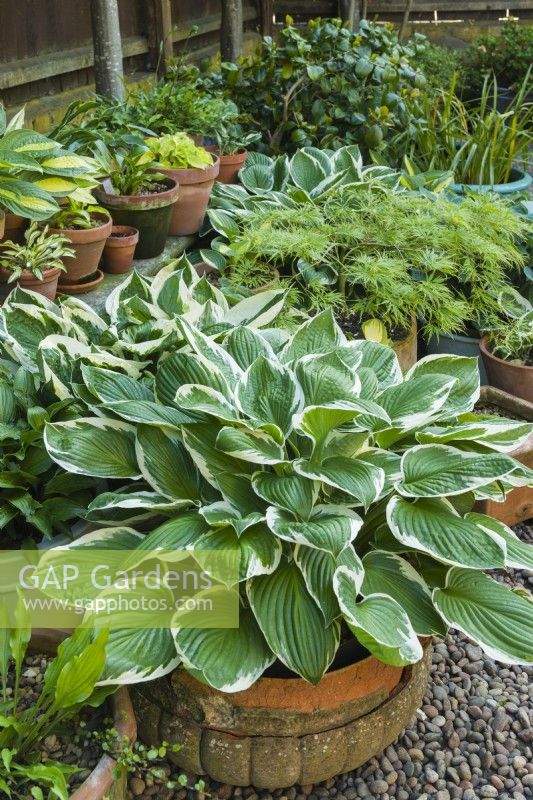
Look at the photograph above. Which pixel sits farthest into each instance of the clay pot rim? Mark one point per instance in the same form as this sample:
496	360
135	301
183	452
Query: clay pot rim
484	347
87	235
233	158
95	786
28	276
123	241
193	175
130	202
82	286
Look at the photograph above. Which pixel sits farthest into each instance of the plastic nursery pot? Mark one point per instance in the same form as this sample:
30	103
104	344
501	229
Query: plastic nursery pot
101	783
188	211
88	245
407	349
47	286
120	248
519	182
14	228
517	379
282	731
518	504
149	213
460	346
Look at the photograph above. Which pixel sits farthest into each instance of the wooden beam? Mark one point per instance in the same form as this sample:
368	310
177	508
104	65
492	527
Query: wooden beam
312	7
211	24
164	32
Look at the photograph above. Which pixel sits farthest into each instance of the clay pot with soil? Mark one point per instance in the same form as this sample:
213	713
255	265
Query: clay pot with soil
518	505
516	379
119	249
47	286
149	213
15	226
189	210
230	164
88	245
283	731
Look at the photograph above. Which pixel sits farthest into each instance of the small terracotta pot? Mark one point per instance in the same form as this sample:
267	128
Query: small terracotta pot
517	379
188	211
120	248
406	349
14	228
46	287
230	166
88	246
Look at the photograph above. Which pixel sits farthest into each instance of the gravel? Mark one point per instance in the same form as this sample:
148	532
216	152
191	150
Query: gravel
472	738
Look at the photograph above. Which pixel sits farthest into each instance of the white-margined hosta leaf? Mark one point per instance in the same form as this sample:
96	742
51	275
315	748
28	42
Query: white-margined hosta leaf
386	460
200	441
255	446
130	507
330	528
133	286
415	402
378	621
213	352
245	345
326	378
318	569
237	490
290	620
292	493
111	386
104	448
465	391
519	554
317	422
221	514
178	533
379	358
182	368
165	464
433	526
193	397
359	479
57	357
390	574
26	325
119	537
499	619
321	334
256	311
88	325
107	360
502	435
246	653
259	553
439	470
268	393
134	655
150	413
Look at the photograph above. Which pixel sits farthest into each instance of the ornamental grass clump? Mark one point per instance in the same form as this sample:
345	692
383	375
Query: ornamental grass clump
343	488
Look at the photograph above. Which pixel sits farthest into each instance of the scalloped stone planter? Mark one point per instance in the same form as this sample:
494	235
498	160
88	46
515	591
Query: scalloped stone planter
101	783
282	731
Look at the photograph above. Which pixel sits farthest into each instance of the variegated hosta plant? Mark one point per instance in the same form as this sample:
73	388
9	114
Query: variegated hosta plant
344	487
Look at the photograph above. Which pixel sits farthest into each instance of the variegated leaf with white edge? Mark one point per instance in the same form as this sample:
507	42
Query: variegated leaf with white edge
165	464
326	378
269	394
519	555
465	392
185	368
213	352
193	397
361	480
103	448
255	446
330	528
246	345
317	422
321	334
318	568
381	359
502	435
292	493
256	311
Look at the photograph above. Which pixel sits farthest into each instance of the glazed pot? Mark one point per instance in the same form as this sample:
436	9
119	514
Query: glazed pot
88	245
517	379
149	213
407	349
101	784
119	249
518	182
47	286
282	731
188	211
460	346
14	228
518	504
230	166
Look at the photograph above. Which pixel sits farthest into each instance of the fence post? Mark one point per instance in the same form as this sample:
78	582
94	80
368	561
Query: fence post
350	12
267	17
108	68
405	19
231	30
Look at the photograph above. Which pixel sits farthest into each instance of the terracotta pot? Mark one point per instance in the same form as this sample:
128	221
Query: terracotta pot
88	246
189	209
101	783
149	213
46	287
84	286
516	379
230	166
282	731
120	248
518	505
406	349
2	223
14	228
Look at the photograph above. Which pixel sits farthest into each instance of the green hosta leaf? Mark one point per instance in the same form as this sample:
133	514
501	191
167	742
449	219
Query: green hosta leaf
394	576
221	514
317	422
255	446
291	492
165	464
138	654
181	368
269	394
256	311
247	655
381	360
126	508
321	334
26	326
386	460
57	358
464	393
200	441
498	619
413	403
78	678
330	528
318	569
245	346
103	448
437	470
257	178
519	554
290	620
150	413
434	527
133	286
259	552
212	352
378	622
502	435
192	397
326	378
362	481
178	533
111	386
305	170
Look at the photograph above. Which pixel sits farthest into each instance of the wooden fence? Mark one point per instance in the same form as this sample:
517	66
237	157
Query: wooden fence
422	10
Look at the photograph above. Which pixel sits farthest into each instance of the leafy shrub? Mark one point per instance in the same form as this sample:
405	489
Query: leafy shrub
438	64
508	56
178	151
